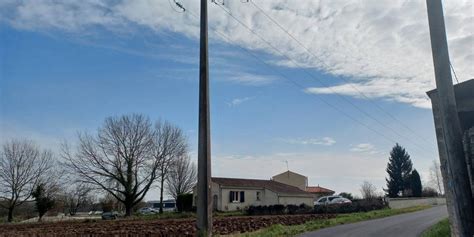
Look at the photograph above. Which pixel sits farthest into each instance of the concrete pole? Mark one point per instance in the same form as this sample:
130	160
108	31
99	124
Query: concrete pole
204	200
458	188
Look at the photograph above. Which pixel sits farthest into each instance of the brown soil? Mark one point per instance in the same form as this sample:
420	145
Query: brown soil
169	227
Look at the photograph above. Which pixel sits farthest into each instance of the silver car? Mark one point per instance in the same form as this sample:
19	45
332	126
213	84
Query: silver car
330	200
147	210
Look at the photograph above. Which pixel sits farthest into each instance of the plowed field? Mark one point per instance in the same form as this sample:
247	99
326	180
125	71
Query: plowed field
169	227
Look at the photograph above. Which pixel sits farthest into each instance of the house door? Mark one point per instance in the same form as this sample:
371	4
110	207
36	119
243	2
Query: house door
214	203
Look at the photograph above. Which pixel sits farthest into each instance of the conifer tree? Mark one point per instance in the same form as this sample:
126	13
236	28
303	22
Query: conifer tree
399	169
415	184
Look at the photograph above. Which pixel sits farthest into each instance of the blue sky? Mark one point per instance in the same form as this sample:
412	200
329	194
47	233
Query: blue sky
59	77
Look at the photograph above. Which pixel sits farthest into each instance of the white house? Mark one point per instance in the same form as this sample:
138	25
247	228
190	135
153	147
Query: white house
301	181
230	194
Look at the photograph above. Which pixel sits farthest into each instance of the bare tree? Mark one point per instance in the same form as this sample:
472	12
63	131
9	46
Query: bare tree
119	160
77	196
170	143
22	165
436	179
182	176
368	190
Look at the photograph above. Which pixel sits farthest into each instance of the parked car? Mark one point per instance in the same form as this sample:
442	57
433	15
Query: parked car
109	215
147	210
331	200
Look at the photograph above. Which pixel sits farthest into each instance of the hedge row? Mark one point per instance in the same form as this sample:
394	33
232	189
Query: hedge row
278	210
362	205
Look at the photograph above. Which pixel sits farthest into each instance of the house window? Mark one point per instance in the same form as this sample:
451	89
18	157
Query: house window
236	196
258	196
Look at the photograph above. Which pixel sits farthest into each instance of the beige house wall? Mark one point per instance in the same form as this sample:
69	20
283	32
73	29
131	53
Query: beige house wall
293	179
398	203
267	197
290	200
250	198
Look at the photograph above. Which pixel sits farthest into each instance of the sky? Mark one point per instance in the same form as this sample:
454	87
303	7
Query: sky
330	98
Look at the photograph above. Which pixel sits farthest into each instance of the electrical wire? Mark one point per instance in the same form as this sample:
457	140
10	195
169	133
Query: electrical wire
454	72
339	77
294	83
318	80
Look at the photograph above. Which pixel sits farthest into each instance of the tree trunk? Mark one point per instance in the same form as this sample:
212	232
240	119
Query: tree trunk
161	192
128	210
10	214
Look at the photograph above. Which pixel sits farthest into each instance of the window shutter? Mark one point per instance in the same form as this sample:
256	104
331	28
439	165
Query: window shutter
242	196
231	196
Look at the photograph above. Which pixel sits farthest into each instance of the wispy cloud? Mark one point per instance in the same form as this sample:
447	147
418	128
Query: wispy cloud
252	79
325	141
375	45
239	101
364	148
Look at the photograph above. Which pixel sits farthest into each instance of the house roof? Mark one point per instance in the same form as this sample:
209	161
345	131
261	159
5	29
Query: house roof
258	183
318	189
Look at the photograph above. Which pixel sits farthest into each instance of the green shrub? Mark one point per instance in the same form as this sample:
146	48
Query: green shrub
278	210
184	202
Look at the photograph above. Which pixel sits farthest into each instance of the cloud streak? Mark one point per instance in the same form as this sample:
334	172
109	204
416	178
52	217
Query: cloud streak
238	101
364	148
381	47
325	141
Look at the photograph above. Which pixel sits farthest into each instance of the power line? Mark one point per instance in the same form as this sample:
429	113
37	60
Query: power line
454	72
299	86
294	83
317	79
339	77
179	5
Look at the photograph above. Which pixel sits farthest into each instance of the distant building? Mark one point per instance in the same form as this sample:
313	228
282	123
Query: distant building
301	181
288	188
464	94
318	191
293	179
230	194
168	205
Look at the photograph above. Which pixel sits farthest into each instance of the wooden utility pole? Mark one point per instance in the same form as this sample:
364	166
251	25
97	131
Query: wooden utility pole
204	200
458	188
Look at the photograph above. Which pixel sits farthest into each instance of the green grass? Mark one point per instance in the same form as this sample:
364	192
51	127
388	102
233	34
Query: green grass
441	229
281	230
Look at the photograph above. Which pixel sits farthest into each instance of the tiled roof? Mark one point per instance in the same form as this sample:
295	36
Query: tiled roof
258	183
318	189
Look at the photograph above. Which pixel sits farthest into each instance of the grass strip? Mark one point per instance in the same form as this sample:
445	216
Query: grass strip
441	229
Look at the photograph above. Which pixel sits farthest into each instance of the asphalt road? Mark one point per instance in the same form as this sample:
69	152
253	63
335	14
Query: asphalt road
404	225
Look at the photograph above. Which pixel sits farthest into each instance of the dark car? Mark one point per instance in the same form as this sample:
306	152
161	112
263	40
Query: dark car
109	215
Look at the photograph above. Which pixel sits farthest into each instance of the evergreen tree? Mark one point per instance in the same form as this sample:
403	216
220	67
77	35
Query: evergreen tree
399	169
44	202
415	184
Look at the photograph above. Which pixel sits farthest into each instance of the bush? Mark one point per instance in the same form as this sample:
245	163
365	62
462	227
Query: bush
429	192
184	202
278	210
